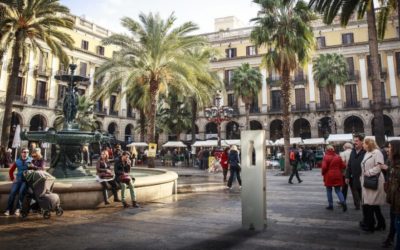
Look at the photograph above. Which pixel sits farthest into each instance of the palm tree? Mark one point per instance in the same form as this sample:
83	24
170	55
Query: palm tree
31	22
330	70
85	116
284	27
246	84
156	56
346	9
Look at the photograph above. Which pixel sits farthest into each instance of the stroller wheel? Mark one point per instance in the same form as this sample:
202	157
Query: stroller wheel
24	215
46	214
59	211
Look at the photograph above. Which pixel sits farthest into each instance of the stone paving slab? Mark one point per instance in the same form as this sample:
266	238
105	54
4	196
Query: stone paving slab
297	219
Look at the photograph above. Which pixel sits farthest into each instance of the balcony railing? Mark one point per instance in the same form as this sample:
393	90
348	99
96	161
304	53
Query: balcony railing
228	84
113	112
323	107
299	80
130	114
300	108
386	103
383	73
40	102
100	111
274	81
20	99
44	72
275	109
254	110
351	105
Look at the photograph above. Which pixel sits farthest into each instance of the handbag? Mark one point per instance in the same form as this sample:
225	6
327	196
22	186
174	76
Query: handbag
371	182
125	178
106	175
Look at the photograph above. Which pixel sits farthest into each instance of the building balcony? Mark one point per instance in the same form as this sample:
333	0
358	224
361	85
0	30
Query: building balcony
383	74
386	103
20	99
353	76
301	108
274	81
299	80
130	114
114	112
351	105
275	110
40	102
254	110
43	72
100	111
323	107
228	84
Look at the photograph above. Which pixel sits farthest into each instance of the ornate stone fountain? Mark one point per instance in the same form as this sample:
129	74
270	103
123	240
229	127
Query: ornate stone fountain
69	141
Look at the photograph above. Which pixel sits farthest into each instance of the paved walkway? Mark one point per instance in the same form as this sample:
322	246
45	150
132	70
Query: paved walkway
296	214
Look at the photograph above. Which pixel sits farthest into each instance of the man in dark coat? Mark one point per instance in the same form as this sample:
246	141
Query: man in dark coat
353	171
294	161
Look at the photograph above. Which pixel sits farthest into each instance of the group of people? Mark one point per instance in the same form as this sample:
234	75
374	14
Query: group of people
373	175
28	161
230	161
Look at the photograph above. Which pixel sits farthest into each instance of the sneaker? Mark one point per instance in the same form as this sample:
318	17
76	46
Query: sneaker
240	187
135	204
125	204
17	212
300	181
7	213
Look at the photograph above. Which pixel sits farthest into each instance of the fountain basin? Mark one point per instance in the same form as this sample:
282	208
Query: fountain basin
86	192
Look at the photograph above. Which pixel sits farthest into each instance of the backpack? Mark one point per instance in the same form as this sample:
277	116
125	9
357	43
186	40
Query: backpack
292	156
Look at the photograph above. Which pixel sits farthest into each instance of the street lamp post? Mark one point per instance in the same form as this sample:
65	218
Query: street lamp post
218	114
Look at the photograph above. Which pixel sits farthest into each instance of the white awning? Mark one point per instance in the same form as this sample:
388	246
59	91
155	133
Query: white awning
208	143
230	142
393	138
314	141
340	138
295	140
174	144
137	144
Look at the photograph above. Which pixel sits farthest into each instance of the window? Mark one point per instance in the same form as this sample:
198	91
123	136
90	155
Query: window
228	77
398	63
251	50
299	75
351	95
230	53
300	95
42	61
41	90
369	64
350	66
100	50
232	100
62	89
254	106
276	99
321	42
82	68
113	101
347	38
383	91
99	106
19	91
324	97
85	45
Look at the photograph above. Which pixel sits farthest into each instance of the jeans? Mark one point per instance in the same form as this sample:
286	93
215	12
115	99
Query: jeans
131	189
338	193
294	172
397	228
234	172
17	187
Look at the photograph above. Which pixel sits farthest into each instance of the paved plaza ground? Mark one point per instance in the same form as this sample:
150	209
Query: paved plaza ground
297	219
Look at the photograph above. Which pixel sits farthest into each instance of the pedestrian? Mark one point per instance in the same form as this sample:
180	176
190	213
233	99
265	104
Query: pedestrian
234	166
353	170
85	155
393	194
372	165
206	155
122	170
294	158
200	158
105	175
332	171
18	185
311	158
224	162
345	155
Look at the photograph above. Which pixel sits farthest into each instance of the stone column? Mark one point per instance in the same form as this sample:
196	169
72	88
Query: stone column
30	83
392	80
53	88
264	95
364	86
311	86
338	97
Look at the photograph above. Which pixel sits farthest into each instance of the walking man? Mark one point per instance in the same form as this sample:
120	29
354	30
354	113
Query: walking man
294	161
345	155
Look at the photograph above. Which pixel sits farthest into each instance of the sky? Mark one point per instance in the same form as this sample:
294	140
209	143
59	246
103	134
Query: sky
107	13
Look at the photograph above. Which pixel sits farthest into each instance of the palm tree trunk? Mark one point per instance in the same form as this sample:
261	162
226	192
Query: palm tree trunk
194	117
398	17
11	89
376	75
247	109
151	129
332	111
286	117
142	121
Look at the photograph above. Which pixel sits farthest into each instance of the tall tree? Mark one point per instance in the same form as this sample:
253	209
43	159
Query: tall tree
246	85
155	55
27	23
330	70
346	10
284	27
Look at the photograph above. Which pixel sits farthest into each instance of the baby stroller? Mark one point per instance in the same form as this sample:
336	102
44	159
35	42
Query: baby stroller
40	187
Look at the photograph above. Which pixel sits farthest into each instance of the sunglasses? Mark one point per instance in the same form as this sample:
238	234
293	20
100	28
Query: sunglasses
25	152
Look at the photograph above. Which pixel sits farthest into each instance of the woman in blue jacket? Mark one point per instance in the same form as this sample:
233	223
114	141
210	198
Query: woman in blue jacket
234	166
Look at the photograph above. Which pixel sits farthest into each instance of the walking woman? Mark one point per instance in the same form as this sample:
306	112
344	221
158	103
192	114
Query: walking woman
372	165
332	168
224	162
105	175
393	193
234	165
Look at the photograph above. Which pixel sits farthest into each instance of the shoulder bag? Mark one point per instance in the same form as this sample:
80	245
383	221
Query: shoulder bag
370	182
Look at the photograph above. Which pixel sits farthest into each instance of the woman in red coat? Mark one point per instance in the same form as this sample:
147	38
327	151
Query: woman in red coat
332	167
224	162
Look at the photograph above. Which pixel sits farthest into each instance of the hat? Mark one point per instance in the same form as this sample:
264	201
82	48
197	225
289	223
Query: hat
233	147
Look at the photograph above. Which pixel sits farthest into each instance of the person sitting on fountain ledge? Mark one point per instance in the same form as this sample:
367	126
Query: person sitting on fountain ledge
104	176
122	169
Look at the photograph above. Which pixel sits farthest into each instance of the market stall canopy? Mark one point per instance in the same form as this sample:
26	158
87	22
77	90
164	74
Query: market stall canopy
174	144
269	143
314	141
137	144
207	143
340	138
295	140
393	138
230	142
